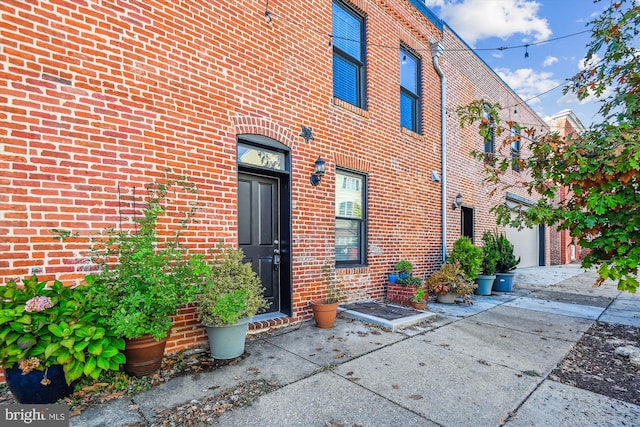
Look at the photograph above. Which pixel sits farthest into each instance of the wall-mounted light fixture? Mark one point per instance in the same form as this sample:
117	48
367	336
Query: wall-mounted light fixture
457	202
318	171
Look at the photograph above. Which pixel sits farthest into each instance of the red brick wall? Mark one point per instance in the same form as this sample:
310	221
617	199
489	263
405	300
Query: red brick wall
98	94
468	79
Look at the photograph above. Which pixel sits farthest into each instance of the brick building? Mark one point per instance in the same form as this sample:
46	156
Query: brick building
563	250
99	97
469	78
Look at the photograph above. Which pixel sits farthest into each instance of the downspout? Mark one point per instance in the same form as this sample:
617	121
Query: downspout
436	51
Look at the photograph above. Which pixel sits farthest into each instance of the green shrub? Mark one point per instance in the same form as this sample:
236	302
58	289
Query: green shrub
410	281
41	326
142	277
468	255
404	266
231	292
489	254
506	259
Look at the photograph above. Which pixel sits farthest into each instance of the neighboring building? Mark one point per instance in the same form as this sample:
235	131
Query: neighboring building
468	78
563	249
98	98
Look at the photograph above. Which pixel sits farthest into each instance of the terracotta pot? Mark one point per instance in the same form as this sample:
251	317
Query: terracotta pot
418	305
28	388
324	314
144	355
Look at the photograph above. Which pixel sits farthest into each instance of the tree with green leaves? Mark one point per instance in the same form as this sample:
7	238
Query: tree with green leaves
600	168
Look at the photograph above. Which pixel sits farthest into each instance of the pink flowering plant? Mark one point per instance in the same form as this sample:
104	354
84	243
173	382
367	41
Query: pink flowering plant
41	326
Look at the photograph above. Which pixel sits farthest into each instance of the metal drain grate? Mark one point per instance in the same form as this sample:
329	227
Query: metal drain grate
383	311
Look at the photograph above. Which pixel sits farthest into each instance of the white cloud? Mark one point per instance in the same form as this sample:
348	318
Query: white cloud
474	20
527	83
549	61
583	65
571	98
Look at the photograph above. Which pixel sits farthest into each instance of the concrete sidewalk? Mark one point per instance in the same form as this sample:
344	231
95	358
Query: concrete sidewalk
478	365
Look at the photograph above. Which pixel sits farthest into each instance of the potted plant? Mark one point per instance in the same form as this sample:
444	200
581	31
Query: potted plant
419	300
143	279
49	338
468	255
505	263
325	310
404	268
449	282
411	281
489	259
393	277
227	299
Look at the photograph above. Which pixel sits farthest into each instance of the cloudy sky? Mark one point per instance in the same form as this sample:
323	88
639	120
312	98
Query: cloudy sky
538	79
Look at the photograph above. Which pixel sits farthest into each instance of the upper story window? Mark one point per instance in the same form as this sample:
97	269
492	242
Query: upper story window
349	83
351	219
490	139
410	91
515	148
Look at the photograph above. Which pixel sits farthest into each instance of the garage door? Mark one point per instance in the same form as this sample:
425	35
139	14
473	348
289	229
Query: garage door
525	245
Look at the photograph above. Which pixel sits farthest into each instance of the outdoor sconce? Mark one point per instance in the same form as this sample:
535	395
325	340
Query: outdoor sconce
457	202
318	171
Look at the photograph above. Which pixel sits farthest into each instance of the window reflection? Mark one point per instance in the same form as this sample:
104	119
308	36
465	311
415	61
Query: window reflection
260	157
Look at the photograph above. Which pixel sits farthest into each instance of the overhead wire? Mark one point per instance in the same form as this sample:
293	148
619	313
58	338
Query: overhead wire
269	16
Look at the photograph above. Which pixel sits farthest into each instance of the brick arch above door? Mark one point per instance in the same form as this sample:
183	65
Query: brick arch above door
263	126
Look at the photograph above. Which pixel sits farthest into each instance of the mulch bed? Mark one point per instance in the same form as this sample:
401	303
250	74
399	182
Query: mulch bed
593	365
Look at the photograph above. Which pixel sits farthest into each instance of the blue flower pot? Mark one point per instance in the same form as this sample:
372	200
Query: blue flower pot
503	282
485	283
393	278
28	388
404	275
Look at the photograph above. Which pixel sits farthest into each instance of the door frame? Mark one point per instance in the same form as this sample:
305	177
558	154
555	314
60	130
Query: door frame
284	208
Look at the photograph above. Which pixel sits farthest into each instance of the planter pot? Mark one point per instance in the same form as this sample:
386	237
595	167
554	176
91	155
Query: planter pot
144	355
485	284
503	282
448	298
28	388
403	275
227	342
393	278
419	305
324	314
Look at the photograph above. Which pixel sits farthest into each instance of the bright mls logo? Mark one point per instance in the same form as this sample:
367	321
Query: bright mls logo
34	415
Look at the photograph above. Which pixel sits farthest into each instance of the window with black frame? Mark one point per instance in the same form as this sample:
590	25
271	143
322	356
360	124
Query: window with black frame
351	218
410	91
349	55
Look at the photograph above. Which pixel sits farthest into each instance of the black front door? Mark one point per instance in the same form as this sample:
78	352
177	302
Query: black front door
466	222
258	231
